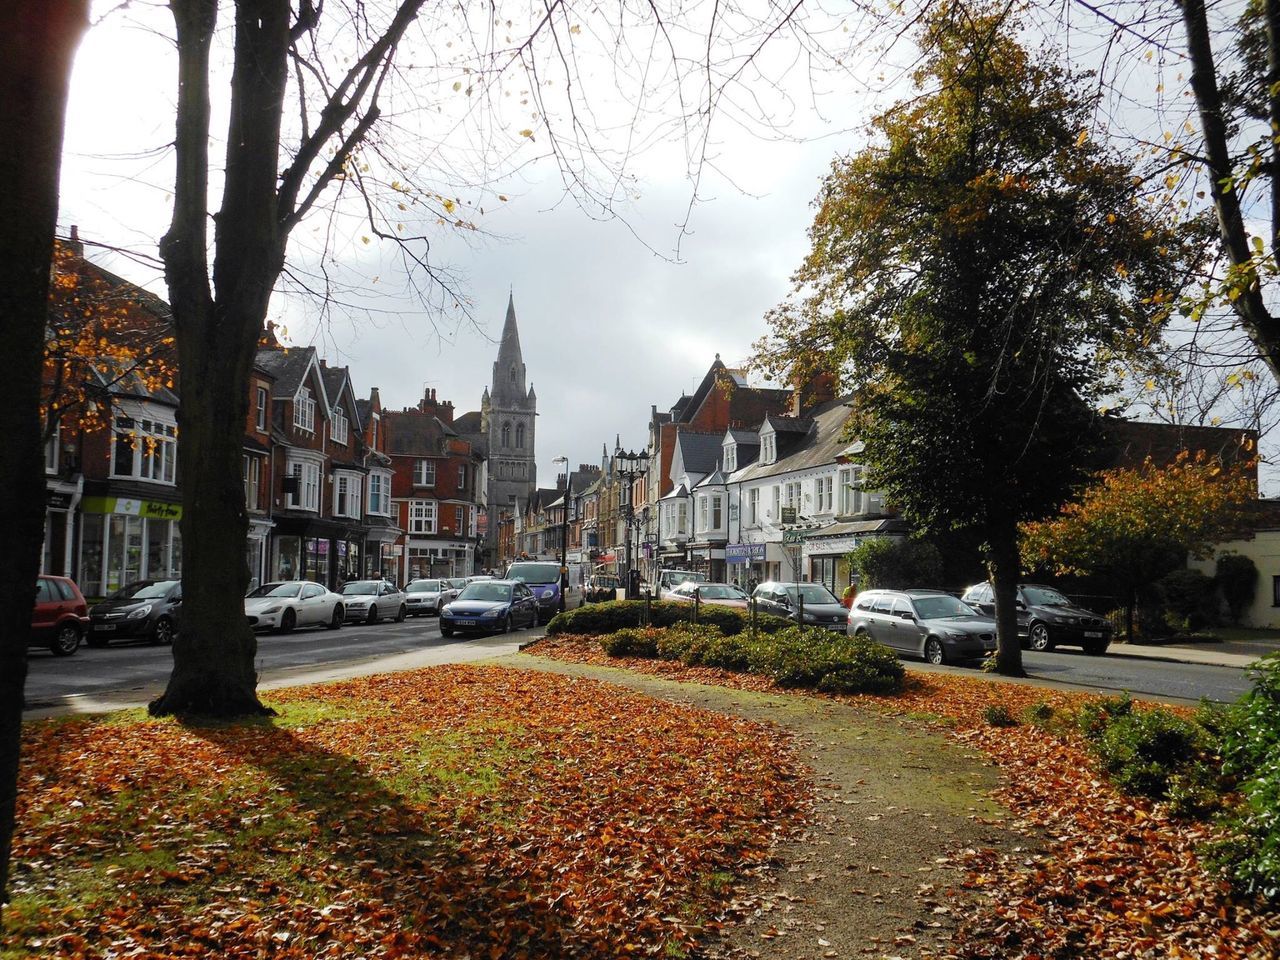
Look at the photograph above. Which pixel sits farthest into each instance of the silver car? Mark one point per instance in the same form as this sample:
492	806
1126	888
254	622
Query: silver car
428	596
285	604
929	624
374	600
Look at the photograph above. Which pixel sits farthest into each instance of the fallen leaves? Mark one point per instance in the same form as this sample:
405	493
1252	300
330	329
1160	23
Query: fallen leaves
1119	878
454	811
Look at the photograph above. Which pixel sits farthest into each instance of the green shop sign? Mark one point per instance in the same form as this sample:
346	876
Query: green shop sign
153	509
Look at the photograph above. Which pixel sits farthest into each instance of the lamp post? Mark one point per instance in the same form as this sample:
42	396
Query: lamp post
564	532
630	467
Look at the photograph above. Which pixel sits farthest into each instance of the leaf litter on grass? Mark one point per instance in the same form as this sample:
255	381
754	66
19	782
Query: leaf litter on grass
454	811
1119	877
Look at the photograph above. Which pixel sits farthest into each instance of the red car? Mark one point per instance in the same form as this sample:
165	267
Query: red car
61	615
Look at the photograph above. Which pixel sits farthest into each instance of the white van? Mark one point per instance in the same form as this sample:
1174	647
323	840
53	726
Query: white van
670	579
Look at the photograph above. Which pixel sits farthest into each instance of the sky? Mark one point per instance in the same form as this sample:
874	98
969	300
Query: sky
613	316
612	319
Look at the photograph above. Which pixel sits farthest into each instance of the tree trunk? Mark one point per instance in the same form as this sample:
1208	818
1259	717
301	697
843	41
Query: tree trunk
38	39
1005	565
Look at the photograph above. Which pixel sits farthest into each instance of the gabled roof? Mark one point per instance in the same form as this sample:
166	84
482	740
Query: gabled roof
743	437
699	452
716	478
821	443
468	423
291	366
410	433
336	380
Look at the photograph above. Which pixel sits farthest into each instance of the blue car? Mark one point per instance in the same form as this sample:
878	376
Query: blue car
490	606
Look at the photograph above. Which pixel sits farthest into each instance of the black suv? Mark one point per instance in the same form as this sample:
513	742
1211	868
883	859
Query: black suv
1047	618
821	608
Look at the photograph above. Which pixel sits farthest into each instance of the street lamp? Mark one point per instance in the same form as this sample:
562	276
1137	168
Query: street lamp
564	532
630	467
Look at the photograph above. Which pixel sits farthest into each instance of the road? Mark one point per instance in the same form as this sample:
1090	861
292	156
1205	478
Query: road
132	672
128	673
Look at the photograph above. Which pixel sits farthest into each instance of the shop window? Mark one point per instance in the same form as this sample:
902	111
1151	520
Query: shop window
288	558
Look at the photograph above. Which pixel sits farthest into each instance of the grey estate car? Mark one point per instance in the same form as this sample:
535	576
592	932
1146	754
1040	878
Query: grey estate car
929	624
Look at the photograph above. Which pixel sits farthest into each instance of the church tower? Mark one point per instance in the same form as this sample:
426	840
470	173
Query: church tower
509	408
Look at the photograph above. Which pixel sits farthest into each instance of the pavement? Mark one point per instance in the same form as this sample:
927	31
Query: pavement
1230	654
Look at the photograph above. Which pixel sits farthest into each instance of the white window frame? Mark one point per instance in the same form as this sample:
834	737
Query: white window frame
791	494
341	428
379	503
304	410
51	451
153	448
730	457
462	476
347	485
753	506
822	494
424	473
703	505
776	515
309	473
682	518
260	415
853	499
459	521
420	517
252	482
717	511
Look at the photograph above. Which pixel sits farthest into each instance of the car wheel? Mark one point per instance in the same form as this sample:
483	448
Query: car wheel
508	625
373	614
1038	637
66	641
446	631
336	620
862	632
402	613
162	632
288	620
934	652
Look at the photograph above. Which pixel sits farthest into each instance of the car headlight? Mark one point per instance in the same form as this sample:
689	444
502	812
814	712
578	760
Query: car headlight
446	608
495	612
139	613
954	634
271	610
810	618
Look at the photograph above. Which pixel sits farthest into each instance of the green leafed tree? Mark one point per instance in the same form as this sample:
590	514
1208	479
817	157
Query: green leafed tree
977	270
894	564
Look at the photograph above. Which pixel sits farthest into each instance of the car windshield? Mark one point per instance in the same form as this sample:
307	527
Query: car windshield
936	608
360	588
534	572
423	586
144	591
720	591
499	592
812	593
1045	597
277	590
683	576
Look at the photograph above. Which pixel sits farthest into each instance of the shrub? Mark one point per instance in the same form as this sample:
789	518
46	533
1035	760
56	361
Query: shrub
631	642
1096	715
1250	748
1143	751
892	564
1237	579
603	618
998	715
1038	714
1189	599
676	641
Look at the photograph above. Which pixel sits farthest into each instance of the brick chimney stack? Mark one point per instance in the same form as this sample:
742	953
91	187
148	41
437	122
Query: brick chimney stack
819	388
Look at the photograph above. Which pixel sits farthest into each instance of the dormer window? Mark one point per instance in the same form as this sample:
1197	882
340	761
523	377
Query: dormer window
304	410
340	426
768	447
730	457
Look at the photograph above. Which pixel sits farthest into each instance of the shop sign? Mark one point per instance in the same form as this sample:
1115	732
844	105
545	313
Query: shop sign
744	552
788	514
58	500
151	509
793	536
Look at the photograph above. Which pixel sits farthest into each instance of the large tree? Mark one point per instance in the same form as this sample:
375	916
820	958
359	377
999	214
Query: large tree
975	274
38	39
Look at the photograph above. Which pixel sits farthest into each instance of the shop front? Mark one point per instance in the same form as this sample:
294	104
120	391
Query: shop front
62	497
319	550
438	558
123	540
709	560
255	550
745	563
381	558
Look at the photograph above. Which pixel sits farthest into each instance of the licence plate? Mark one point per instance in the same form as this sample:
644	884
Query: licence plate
465	623
104	626
1093	634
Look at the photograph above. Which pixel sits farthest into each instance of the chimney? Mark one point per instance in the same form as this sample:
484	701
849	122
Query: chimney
375	399
818	389
324	364
561	481
74	243
446	412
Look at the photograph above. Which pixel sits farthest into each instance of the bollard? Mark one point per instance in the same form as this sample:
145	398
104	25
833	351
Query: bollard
697	602
754	606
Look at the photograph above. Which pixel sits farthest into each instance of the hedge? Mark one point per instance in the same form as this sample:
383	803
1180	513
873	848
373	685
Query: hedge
601	618
794	656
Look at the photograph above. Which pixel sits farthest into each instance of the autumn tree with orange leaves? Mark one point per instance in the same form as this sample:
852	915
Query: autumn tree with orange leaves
1133	526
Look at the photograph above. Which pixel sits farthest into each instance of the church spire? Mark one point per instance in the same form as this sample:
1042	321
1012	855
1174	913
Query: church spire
508	369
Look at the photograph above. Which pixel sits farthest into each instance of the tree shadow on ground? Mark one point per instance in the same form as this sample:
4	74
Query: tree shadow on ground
405	883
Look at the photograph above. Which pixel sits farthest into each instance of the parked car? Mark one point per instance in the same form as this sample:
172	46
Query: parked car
457	584
543	578
147	608
929	624
61	616
428	596
478	577
285	604
490	606
1047	618
719	594
374	600
668	580
601	588
821	607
